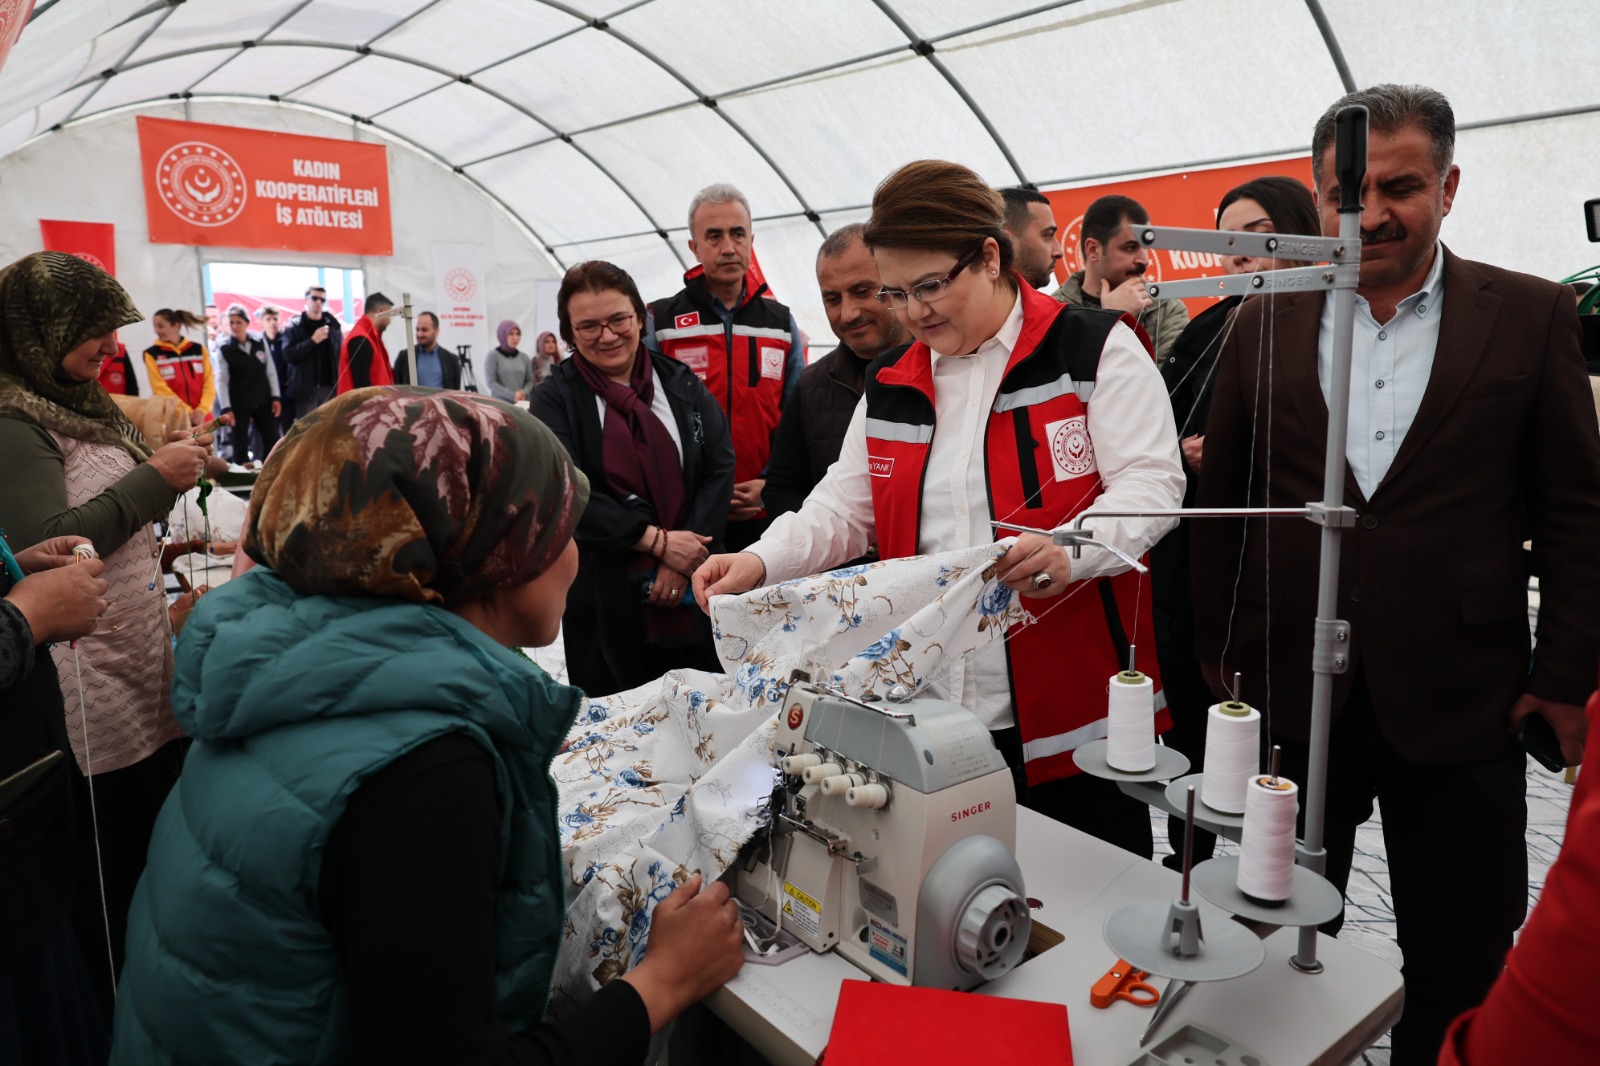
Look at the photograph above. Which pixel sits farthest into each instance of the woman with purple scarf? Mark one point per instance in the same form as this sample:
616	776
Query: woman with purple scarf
507	371
656	449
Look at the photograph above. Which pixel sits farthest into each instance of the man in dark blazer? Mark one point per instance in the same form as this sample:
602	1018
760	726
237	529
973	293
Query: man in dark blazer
1471	431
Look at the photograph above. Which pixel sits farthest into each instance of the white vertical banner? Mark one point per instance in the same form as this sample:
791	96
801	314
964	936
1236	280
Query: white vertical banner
461	287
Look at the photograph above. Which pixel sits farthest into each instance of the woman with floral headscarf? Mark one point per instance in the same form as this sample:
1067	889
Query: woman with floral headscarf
75	466
361	862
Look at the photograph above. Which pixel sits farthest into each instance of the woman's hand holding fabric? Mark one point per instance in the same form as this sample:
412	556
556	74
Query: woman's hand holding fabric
695	948
1036	567
685	550
727	574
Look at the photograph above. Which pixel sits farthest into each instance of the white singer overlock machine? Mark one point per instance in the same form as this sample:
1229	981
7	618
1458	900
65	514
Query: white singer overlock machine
891	840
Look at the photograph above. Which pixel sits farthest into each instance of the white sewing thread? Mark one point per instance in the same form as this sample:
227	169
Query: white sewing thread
94	822
1130	722
1233	755
1266	851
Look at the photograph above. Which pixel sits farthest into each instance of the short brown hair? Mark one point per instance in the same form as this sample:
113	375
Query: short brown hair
940	206
595	275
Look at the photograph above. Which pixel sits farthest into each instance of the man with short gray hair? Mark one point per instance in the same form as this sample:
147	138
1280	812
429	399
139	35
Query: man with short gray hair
1471	430
744	346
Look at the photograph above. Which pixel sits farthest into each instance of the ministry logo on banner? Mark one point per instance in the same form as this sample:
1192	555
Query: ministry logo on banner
201	184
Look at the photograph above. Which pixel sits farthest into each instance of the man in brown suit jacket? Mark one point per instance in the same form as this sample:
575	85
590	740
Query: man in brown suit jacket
1471	432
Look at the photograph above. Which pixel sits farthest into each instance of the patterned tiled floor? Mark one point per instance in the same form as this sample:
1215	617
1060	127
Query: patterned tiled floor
1369	911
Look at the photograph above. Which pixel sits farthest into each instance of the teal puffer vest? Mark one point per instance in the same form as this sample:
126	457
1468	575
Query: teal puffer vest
293	703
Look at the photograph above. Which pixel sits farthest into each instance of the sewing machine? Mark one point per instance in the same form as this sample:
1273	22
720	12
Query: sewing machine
892	840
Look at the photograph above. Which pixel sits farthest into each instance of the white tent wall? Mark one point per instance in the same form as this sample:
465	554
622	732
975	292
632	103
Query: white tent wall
593	121
89	172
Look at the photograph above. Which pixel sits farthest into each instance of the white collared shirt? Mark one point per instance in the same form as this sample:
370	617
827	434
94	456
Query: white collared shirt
1135	446
1389	368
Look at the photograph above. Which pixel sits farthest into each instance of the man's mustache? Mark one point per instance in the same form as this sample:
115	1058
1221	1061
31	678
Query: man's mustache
1383	233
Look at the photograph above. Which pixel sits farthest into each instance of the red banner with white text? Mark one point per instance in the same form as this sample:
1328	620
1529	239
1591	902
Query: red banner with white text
93	242
243	188
1188	200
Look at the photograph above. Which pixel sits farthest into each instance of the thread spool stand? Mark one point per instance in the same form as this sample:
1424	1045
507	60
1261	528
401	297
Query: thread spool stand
1168	940
1331	634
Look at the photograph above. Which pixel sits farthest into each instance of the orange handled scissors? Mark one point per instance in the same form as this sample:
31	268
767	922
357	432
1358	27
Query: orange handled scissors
1122	981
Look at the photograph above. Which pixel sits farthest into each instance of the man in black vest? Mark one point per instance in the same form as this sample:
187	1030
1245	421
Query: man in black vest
744	346
247	385
815	419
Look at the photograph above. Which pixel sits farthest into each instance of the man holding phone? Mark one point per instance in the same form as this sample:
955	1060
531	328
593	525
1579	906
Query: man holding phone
311	353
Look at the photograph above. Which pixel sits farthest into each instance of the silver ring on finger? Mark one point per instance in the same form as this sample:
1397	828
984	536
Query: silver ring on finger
1041	581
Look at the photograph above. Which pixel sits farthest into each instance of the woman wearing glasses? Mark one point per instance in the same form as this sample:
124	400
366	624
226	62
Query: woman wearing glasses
1008	406
656	449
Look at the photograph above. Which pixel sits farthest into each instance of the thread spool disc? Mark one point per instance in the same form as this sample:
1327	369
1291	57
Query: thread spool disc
1204	816
1235	709
1130	677
1091	759
1312	898
1137	933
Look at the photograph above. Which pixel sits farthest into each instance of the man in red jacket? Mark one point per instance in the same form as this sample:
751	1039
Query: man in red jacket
740	342
364	360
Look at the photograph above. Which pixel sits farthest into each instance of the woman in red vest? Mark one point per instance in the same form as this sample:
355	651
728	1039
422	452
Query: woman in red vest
178	366
1007	407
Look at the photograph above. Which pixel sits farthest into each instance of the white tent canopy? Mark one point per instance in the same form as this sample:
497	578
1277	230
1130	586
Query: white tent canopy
592	122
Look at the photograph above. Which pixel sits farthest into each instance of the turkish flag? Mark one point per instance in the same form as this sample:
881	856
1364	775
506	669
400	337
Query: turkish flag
93	242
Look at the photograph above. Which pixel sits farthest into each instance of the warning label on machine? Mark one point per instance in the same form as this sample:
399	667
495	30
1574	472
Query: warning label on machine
887	946
801	913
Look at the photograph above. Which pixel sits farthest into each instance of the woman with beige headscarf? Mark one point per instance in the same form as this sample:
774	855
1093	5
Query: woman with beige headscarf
76	466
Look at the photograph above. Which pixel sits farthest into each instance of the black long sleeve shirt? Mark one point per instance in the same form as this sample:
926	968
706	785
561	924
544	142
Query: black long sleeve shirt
408	891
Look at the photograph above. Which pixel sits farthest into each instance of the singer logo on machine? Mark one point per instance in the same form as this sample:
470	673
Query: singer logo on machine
687	321
879	467
200	183
1070	449
459	284
968	812
796	716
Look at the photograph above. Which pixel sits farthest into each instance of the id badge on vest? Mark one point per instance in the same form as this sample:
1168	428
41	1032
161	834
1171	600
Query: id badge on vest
697	359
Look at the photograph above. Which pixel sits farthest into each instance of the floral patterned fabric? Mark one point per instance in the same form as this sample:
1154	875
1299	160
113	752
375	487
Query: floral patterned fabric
672	777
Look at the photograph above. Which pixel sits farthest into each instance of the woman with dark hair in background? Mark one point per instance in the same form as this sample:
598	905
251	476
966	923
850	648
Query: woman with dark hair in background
987	417
179	367
656	449
1271	204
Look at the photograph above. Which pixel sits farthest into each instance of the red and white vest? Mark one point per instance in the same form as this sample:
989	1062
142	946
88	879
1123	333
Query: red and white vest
1041	472
742	362
181	368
